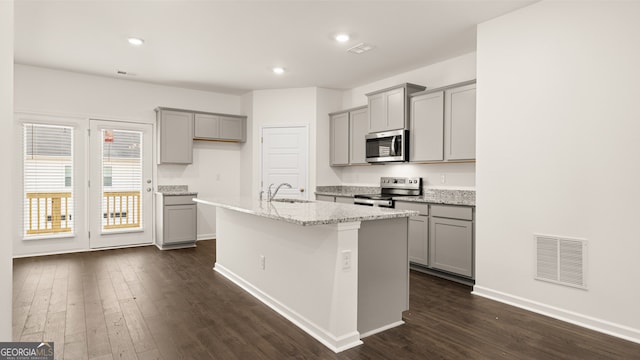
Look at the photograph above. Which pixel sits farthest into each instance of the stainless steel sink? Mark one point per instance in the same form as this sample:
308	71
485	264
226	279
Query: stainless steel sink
292	201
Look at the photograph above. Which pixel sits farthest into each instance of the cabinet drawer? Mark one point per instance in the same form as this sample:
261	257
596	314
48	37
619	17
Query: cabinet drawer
178	200
344	199
453	212
325	198
423	208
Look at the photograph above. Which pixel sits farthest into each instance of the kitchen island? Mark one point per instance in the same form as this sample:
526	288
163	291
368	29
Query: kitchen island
338	271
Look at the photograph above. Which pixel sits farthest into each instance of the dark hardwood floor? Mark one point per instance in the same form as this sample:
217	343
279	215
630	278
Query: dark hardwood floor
143	303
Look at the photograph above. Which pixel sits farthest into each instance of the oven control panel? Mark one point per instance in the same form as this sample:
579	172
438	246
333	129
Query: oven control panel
409	183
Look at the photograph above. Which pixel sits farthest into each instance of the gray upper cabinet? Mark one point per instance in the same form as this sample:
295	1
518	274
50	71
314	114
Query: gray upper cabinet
233	128
175	133
339	148
443	124
219	127
358	127
427	127
460	123
206	126
389	109
347	131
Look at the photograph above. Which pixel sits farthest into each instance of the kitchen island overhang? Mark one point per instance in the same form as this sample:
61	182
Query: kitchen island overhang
339	272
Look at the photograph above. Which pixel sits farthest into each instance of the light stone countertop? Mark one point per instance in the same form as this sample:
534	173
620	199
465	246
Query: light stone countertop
175	190
432	196
307	213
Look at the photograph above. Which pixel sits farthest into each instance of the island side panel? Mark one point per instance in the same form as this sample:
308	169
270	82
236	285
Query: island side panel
383	268
303	278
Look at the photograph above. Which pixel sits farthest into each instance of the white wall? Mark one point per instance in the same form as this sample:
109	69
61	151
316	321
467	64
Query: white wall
455	70
283	107
6	147
557	146
216	166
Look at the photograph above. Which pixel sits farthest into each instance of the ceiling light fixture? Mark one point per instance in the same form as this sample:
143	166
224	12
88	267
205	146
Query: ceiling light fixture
135	41
278	70
342	38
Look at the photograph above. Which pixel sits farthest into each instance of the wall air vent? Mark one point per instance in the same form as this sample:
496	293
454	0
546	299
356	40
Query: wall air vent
360	48
561	260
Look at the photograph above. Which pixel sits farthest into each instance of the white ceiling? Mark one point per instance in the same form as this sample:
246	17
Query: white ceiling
231	46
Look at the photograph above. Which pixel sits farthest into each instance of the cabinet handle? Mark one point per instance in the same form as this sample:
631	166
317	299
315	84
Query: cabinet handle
301	189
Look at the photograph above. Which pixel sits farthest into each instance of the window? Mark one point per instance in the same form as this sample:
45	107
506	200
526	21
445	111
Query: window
48	179
107	174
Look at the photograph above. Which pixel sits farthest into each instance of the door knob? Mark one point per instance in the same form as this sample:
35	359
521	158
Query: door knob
148	181
148	189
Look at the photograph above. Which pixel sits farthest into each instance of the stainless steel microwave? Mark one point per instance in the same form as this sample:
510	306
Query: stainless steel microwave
388	146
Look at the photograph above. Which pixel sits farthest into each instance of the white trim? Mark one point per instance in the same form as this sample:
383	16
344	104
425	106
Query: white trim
336	344
210	236
79	251
381	329
603	326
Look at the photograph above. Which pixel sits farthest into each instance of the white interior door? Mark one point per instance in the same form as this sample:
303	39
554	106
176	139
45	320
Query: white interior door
285	160
120	188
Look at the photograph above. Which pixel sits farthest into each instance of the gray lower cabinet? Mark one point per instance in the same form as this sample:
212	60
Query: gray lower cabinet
344	199
451	246
325	198
418	231
175	136
176	225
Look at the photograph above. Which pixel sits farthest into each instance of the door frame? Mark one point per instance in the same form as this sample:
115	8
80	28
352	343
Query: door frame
308	157
153	177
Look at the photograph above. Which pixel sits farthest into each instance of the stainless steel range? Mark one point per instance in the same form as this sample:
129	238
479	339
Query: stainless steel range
390	187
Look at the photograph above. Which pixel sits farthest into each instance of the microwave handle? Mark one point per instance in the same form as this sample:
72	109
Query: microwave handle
393	146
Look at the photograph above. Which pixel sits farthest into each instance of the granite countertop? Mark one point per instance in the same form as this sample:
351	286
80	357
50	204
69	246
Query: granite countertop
306	213
433	196
175	190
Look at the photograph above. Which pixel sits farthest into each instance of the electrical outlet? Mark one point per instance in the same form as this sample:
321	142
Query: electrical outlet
443	178
346	259
263	261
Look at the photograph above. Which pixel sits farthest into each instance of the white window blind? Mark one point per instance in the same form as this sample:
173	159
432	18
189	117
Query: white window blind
121	180
48	180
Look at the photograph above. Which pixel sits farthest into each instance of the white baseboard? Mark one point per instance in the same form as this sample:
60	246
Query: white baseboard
603	326
336	344
205	236
73	251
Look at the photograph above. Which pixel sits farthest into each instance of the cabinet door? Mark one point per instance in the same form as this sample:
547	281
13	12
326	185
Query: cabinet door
344	199
460	123
176	137
206	126
377	112
427	127
325	198
395	109
358	130
419	239
231	128
339	147
179	224
451	245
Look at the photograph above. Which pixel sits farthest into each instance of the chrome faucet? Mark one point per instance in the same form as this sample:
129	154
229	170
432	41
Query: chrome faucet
271	196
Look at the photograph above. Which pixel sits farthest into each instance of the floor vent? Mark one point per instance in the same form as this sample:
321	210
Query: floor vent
561	260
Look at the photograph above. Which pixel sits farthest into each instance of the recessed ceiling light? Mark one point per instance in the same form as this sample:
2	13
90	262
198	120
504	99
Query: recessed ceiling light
278	70
342	38
135	41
